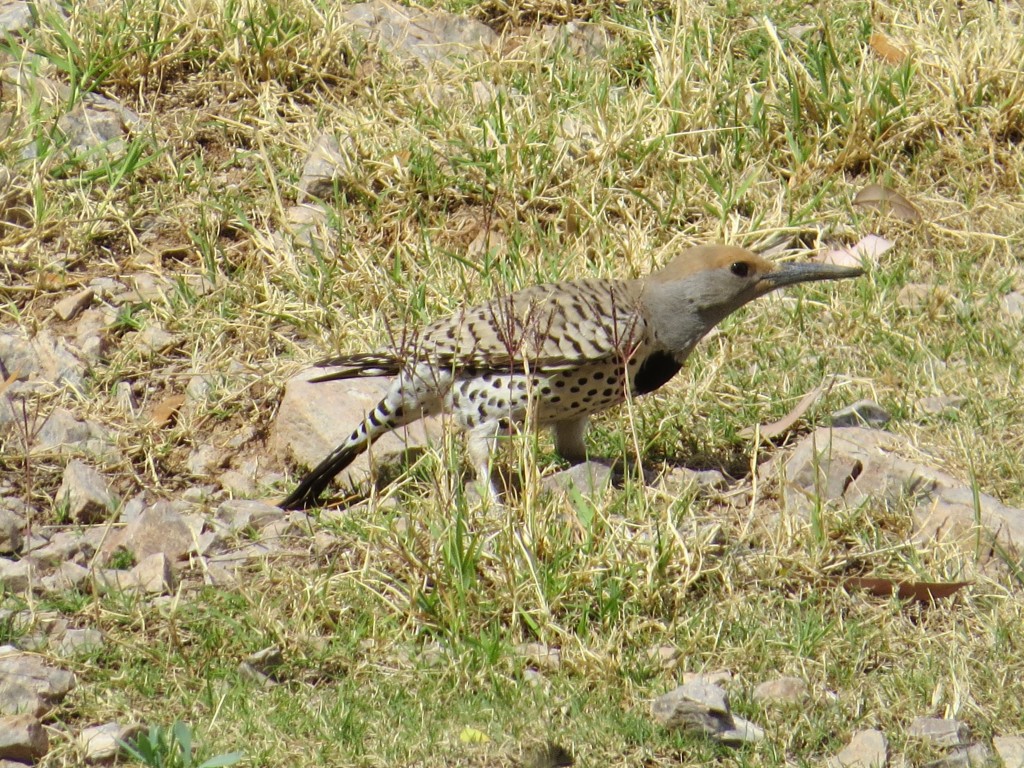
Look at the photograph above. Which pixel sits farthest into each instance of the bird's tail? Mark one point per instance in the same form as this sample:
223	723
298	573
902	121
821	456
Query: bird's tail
359	367
387	415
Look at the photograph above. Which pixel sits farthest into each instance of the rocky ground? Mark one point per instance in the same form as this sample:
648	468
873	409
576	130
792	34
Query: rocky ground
88	507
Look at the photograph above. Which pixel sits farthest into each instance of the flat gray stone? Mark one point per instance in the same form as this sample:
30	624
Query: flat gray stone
940	731
22	738
855	466
102	743
71	306
591	478
154	575
85	492
699	706
30	686
863	413
1013	306
866	749
301	434
427	36
11	526
542	656
16	575
79	642
1010	750
934	406
158	529
781	690
41	362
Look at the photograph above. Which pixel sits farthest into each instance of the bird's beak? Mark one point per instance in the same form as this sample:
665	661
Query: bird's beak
791	273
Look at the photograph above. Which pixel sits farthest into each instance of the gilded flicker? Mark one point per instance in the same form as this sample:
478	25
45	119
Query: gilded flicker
557	353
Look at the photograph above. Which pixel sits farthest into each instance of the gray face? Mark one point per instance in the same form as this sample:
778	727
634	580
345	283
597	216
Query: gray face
683	310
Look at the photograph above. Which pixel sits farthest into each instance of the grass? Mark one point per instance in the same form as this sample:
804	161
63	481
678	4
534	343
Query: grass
732	121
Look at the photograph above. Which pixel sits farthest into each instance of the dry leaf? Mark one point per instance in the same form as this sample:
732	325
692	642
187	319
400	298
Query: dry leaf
887	201
881	45
783	425
868	249
920	591
164	412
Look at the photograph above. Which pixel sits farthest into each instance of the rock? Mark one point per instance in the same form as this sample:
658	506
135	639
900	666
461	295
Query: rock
69	546
15	18
301	434
1013	306
102	743
11	525
591	478
717	677
942	732
428	36
964	756
1010	750
41	362
154	574
204	461
680	479
85	493
934	406
239	514
69	307
782	690
79	642
260	667
862	413
921	295
856	466
22	738
540	655
98	122
68	576
158	529
325	167
665	656
308	224
583	40
15	575
28	685
63	433
867	749
154	339
698	706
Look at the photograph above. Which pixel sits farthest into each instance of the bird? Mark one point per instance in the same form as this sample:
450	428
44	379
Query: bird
553	354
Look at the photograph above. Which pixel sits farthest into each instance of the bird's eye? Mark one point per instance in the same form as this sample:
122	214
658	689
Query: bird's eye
740	268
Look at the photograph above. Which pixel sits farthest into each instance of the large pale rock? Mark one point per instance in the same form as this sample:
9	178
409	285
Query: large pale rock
28	685
427	36
940	731
16	575
158	529
1010	750
85	492
703	707
102	743
11	525
314	419
867	749
41	362
856	466
22	738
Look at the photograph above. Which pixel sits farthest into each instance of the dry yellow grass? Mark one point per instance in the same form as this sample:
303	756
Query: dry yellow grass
702	122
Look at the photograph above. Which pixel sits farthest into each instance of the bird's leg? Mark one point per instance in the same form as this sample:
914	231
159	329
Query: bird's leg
569	441
480	445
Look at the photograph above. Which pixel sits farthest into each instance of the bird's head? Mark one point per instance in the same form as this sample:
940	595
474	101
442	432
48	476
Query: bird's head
703	285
